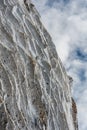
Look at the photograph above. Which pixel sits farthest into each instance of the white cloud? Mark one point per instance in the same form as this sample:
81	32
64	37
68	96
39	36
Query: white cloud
67	24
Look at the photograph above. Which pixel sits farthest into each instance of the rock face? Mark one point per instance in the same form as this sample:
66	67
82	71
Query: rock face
34	88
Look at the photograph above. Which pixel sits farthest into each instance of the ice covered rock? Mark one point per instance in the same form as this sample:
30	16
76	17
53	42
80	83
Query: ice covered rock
34	89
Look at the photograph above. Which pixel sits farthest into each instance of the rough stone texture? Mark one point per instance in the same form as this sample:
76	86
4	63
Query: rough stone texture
35	91
74	114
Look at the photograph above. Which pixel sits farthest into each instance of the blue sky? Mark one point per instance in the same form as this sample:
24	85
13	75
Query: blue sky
66	21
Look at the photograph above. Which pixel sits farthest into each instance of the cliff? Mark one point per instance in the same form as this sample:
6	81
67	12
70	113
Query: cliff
35	91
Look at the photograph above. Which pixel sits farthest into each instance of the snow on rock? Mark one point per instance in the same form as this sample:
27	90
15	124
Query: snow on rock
35	92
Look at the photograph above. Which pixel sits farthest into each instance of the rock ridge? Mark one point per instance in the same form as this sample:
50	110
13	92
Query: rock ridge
35	91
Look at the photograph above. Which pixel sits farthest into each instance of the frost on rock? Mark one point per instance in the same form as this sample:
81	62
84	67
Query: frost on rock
35	92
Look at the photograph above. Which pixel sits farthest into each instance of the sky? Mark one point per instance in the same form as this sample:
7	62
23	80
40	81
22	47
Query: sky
66	21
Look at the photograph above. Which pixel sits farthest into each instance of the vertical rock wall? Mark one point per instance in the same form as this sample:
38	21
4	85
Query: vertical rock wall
34	88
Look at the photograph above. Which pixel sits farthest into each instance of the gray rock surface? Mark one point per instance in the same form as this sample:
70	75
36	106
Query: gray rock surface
34	88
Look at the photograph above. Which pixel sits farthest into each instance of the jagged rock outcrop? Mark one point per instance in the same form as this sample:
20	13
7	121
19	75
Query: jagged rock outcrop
34	88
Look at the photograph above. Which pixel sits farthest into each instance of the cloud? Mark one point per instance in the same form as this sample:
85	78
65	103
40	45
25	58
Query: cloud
66	21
